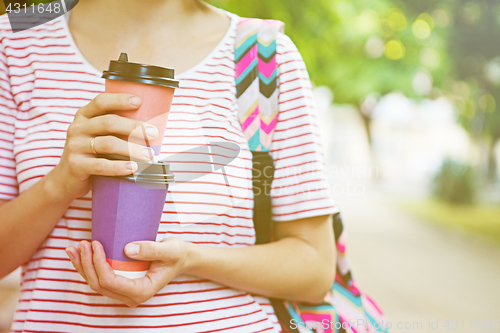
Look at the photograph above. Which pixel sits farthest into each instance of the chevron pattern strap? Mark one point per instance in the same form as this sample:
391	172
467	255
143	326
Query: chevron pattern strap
257	93
256	80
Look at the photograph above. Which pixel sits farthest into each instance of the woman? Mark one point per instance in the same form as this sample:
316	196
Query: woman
205	274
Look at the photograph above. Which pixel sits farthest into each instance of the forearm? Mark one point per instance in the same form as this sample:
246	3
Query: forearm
26	221
289	268
299	265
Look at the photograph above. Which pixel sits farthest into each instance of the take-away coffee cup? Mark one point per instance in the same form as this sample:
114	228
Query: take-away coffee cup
127	209
153	84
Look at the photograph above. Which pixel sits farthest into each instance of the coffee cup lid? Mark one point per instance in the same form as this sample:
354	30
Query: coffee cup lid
154	176
155	170
123	70
151	167
153	179
149	184
164	179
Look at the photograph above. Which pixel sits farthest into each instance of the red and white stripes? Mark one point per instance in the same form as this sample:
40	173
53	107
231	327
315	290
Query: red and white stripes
44	80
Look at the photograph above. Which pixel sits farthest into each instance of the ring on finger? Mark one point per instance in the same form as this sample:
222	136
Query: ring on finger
92	146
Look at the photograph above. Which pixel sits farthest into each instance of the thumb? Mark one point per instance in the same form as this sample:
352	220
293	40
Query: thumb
147	251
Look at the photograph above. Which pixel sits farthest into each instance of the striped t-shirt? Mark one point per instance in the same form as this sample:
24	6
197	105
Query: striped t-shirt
44	80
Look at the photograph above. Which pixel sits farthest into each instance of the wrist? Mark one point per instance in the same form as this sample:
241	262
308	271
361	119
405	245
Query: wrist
192	258
54	189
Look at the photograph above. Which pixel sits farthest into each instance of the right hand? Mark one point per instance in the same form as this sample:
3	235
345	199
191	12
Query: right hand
71	177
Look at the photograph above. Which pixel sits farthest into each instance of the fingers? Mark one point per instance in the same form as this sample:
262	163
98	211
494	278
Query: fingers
104	272
113	145
117	125
92	278
147	251
108	102
74	256
104	167
90	261
138	290
169	251
88	266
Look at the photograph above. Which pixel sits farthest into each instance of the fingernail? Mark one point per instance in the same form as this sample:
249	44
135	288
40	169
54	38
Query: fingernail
132	166
148	153
132	249
151	132
70	255
135	101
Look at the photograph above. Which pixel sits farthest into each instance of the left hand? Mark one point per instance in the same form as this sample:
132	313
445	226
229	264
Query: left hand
168	260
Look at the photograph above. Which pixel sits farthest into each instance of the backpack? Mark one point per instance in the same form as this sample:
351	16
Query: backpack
345	308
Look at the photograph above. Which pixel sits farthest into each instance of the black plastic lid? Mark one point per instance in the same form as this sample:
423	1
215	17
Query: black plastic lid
158	168
122	70
153	184
167	179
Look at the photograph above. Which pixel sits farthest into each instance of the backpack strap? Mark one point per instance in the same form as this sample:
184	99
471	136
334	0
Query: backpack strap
256	80
257	94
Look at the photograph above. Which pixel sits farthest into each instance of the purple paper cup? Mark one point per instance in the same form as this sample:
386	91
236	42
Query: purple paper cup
124	211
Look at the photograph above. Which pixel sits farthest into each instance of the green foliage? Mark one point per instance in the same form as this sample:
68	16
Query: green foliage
332	36
479	219
476	62
455	183
363	47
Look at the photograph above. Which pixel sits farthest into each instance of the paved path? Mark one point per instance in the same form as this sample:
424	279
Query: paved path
418	272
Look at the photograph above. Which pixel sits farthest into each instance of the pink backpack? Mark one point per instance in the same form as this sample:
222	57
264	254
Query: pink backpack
345	308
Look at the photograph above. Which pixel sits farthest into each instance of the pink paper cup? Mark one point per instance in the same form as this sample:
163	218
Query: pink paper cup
154	85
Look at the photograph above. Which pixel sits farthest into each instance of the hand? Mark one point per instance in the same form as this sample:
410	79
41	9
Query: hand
169	259
71	177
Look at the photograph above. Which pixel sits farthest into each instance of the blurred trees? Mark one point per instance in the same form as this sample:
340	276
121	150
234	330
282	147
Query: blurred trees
476	62
354	47
455	183
359	49
364	49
